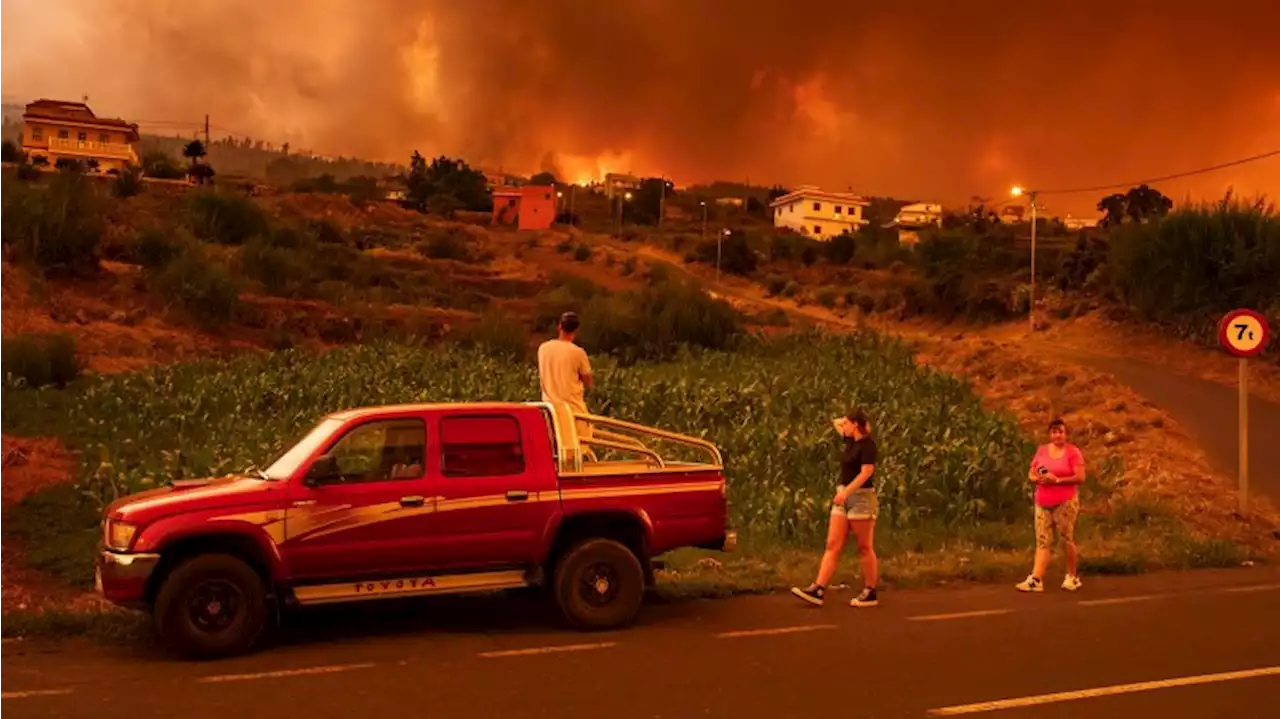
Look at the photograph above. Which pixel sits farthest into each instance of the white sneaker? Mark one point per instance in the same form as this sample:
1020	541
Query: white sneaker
1072	583
1030	584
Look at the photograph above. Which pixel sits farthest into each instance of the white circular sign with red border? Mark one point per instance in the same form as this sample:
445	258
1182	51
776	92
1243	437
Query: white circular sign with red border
1244	333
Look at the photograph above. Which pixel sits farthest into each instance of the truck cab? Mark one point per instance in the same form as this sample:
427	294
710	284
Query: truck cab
414	500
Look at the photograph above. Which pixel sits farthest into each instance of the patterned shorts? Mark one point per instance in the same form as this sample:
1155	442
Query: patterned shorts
1060	518
861	504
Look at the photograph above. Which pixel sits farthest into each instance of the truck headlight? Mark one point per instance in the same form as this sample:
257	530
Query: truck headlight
119	535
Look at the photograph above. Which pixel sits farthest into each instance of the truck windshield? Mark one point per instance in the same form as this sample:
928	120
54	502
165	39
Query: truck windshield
289	462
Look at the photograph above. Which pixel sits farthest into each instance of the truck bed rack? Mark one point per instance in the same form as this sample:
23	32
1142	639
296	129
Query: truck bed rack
578	434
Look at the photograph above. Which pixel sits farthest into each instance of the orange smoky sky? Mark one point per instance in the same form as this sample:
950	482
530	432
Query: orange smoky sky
938	100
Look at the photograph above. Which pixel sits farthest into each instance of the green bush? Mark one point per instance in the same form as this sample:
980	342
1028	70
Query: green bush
735	254
775	284
790	289
58	228
827	296
41	359
564	246
839	250
201	286
154	249
447	243
499	335
1204	259
128	183
582	253
225	218
657	321
628	267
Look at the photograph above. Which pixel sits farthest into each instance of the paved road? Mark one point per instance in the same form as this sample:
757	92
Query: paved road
919	652
1208	410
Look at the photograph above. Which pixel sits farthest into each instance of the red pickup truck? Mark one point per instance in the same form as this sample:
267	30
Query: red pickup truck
414	500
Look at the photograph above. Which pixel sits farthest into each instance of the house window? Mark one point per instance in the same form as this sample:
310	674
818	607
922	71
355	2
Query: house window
37	133
817	229
377	451
511	202
839	209
82	136
547	196
62	135
791	208
817	207
481	446
104	138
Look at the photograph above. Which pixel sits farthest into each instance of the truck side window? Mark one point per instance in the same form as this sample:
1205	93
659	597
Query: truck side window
481	446
381	451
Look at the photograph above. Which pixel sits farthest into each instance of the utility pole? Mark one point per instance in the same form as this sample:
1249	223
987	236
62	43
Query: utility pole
704	220
206	130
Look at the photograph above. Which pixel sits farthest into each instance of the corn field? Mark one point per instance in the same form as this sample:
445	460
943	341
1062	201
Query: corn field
769	406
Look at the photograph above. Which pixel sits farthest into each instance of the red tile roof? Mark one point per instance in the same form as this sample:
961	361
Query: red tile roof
73	112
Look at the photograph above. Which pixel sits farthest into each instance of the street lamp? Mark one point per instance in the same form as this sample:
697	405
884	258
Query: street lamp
704	220
625	198
1031	308
719	241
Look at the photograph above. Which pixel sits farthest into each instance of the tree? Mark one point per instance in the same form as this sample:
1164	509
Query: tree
777	191
543	179
193	151
646	201
128	183
160	165
92	164
71	165
9	152
40	161
445	176
1139	204
840	249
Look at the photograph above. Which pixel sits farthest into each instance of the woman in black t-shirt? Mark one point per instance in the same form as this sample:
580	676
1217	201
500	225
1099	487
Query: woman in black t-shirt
853	510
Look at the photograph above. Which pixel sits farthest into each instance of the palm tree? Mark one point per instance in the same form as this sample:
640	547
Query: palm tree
193	151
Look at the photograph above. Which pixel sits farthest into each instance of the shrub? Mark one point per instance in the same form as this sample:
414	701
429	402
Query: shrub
226	219
736	255
282	270
127	183
775	284
809	255
154	249
827	296
447	244
200	286
161	166
499	335
39	359
839	250
9	152
790	289
657	321
582	253
564	246
628	267
58	229
1208	258
28	173
327	233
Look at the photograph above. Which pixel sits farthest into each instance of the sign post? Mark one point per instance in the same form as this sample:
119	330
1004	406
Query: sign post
1244	333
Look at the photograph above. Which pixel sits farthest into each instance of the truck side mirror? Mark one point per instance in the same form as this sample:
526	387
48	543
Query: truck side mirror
323	471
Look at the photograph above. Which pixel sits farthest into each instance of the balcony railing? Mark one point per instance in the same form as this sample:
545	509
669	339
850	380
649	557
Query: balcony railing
90	148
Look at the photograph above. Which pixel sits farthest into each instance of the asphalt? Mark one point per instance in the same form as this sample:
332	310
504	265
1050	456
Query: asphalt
1210	412
919	652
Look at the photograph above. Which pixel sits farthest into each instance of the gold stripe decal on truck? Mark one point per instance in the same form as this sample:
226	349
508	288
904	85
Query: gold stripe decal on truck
410	587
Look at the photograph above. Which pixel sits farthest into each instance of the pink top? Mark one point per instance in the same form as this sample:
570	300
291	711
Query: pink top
1063	466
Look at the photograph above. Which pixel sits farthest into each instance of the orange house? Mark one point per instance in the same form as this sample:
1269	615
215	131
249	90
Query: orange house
529	208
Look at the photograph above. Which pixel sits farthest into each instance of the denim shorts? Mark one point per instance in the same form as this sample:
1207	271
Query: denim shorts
861	504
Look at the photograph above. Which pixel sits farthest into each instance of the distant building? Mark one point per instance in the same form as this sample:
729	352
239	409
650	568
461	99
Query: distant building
56	130
819	214
495	178
1079	223
913	218
618	184
528	208
730	201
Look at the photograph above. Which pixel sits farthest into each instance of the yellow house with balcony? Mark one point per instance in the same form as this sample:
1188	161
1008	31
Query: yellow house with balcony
56	130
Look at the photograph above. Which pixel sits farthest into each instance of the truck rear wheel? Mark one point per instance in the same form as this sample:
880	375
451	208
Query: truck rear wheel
599	584
210	605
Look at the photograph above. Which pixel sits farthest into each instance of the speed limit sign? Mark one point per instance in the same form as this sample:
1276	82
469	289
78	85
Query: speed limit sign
1243	333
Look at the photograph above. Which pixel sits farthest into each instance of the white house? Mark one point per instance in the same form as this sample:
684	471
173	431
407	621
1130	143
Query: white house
819	214
913	218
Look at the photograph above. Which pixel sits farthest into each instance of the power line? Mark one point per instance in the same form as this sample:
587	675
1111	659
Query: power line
1175	176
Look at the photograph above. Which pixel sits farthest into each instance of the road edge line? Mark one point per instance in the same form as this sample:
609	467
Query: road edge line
280	673
553	649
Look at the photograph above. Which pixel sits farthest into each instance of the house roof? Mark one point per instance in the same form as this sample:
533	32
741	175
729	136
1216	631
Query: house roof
813	193
77	112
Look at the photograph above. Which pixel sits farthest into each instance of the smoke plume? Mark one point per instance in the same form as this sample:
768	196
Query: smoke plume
932	100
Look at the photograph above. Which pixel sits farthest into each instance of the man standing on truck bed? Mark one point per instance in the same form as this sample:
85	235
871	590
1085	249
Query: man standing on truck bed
564	371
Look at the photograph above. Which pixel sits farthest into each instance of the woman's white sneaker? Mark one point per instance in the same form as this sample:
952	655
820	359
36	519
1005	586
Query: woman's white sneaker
1072	583
1030	584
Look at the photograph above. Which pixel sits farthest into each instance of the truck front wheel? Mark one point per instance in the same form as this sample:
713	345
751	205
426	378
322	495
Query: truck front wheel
210	605
599	584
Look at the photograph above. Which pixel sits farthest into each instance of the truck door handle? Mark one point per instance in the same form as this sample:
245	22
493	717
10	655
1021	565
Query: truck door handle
413	501
517	495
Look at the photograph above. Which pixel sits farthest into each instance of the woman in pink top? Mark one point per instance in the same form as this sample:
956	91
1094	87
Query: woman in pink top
1057	471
